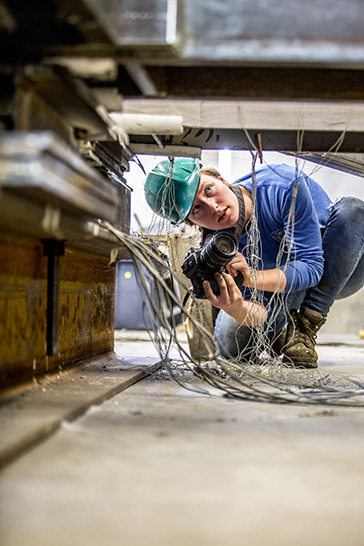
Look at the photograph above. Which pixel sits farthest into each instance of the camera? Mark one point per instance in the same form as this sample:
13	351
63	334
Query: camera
201	264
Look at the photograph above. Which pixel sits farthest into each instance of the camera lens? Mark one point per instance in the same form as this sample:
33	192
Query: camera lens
224	244
219	250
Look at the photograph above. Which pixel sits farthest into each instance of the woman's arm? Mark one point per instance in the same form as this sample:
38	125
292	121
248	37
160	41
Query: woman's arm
289	226
231	301
269	280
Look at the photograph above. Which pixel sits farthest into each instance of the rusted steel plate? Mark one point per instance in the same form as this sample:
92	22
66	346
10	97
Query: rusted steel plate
87	293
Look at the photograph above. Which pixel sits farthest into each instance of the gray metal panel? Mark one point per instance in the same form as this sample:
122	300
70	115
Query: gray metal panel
217	21
328	31
137	22
44	168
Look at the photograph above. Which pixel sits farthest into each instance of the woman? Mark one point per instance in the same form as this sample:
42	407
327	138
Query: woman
307	252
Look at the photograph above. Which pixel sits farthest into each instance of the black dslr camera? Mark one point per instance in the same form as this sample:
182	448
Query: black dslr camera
201	264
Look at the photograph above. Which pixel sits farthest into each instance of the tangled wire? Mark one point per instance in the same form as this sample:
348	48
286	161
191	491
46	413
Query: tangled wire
264	378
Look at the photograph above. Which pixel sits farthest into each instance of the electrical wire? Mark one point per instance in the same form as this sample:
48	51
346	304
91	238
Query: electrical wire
268	381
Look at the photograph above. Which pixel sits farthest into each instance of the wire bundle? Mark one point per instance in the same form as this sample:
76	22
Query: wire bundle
263	378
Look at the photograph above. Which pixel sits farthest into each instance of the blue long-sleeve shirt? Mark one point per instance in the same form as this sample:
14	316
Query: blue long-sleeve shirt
303	264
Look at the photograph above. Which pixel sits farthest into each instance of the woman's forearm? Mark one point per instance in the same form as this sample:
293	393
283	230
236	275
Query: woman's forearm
269	280
251	314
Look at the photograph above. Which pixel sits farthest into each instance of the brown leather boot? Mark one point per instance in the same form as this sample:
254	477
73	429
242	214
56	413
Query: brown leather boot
279	342
301	338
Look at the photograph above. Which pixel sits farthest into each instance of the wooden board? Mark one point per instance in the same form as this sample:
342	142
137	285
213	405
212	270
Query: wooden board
260	114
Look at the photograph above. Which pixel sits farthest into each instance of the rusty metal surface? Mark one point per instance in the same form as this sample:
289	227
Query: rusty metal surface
87	297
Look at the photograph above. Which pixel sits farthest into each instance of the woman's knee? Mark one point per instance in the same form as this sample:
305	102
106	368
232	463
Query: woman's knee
230	337
350	210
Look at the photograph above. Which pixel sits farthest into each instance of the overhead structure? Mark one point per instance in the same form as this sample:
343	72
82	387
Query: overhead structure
226	67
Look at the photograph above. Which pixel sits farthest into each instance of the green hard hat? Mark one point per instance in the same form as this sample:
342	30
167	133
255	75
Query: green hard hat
171	186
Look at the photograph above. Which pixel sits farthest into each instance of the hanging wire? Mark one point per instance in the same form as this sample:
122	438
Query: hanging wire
261	377
269	380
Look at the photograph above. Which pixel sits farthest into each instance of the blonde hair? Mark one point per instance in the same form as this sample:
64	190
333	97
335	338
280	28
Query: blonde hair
210	171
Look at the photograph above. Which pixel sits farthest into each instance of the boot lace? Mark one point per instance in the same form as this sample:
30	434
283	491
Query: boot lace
302	331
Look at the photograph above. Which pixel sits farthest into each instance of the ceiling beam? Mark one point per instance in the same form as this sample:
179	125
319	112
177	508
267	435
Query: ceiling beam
282	141
141	78
258	115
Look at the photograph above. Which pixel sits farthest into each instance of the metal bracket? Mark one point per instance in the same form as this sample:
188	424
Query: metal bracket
53	249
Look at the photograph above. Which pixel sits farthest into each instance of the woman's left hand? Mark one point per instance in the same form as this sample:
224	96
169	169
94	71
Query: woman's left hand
230	298
239	264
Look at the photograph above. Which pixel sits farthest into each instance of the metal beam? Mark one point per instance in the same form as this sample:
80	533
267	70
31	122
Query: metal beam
221	80
329	32
141	78
280	141
340	151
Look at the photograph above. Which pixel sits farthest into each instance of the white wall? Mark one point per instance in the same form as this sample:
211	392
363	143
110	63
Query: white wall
139	208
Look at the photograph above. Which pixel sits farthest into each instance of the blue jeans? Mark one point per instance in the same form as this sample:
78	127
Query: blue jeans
343	246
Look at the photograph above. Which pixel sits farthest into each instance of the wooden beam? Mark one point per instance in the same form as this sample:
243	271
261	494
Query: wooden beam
258	115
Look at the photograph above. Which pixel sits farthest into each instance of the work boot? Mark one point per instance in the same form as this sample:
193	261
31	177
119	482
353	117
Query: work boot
301	338
279	342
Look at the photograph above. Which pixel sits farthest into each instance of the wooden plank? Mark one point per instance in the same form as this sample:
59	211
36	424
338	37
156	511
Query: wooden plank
258	115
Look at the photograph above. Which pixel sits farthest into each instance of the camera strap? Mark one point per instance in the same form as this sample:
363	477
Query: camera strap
240	227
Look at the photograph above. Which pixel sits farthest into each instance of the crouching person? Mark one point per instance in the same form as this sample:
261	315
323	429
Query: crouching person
310	251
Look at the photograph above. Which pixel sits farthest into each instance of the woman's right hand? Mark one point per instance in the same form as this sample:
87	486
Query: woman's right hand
232	302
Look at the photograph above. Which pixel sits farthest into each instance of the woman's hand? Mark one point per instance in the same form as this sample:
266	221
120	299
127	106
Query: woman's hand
231	301
271	280
239	264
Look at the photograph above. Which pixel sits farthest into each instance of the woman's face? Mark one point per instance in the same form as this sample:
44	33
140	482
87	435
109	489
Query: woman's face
215	206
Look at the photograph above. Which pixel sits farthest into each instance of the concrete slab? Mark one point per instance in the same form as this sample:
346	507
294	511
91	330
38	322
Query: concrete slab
159	465
30	412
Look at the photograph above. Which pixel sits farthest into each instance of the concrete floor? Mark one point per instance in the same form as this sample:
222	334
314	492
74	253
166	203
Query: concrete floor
156	464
